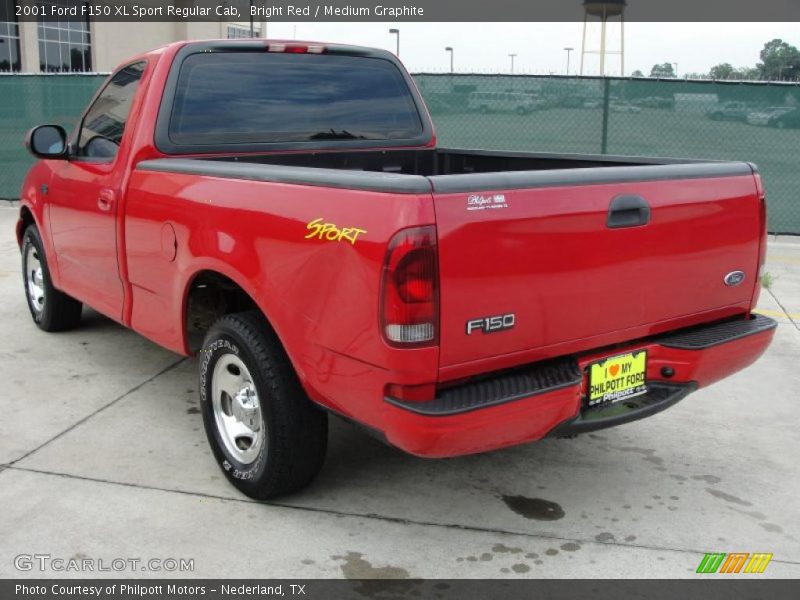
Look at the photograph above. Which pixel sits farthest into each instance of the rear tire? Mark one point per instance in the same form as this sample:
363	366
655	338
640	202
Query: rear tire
267	436
51	309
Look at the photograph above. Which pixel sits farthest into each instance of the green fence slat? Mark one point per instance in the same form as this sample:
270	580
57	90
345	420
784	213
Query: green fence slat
585	115
28	100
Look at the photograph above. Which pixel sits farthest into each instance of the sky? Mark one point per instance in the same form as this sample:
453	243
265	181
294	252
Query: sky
484	47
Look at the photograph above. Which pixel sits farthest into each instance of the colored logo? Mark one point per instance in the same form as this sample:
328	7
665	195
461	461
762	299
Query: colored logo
328	231
735	562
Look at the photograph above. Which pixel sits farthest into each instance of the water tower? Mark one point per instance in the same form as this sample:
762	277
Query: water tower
604	10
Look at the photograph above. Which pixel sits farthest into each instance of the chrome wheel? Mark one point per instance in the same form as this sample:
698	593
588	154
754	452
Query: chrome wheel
237	409
34	279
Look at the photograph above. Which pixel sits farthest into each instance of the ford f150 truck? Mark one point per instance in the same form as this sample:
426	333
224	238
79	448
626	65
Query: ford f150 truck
281	209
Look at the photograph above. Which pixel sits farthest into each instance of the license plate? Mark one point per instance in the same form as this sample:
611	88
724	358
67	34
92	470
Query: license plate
617	378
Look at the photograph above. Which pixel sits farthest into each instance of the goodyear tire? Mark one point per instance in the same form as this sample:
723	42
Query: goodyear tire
51	309
267	436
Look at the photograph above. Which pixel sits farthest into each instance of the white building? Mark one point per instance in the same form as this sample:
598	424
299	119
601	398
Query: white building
56	46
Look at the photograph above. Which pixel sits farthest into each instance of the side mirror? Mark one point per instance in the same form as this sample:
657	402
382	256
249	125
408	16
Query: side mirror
47	141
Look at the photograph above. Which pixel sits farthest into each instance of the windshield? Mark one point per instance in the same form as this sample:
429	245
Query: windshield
262	97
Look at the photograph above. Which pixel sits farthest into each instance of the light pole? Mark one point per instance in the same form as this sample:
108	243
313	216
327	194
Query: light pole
512	62
397	33
568	51
450	50
676	70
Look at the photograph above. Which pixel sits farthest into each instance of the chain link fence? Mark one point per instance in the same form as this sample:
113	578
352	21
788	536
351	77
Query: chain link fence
28	100
754	122
757	122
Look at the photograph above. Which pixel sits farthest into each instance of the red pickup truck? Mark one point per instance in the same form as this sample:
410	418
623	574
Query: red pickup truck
282	210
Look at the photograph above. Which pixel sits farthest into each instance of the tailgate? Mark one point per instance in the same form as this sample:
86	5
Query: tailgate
580	265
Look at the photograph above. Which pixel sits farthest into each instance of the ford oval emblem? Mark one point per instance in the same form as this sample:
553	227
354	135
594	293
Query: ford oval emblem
734	278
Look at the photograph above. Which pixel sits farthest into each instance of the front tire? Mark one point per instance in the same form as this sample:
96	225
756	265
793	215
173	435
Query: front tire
267	436
51	309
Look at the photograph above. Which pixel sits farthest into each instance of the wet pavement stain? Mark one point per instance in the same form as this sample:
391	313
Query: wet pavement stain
534	508
356	567
502	548
728	497
604	537
551	552
755	514
570	547
648	454
772	527
630	538
712	479
485	557
520	568
193	411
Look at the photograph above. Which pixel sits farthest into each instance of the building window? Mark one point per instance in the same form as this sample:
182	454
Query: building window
65	44
9	37
237	32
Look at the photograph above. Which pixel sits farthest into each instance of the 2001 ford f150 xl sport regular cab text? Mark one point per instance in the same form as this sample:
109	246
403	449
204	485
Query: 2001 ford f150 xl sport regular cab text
282	210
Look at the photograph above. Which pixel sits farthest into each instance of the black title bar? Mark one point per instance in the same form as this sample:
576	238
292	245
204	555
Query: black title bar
133	11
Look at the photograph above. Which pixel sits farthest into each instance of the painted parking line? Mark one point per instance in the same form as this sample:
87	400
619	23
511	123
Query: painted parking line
783	259
776	313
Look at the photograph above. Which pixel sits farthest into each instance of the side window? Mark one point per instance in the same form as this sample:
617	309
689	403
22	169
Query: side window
104	123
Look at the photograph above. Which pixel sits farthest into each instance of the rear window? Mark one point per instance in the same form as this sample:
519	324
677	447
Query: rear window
250	98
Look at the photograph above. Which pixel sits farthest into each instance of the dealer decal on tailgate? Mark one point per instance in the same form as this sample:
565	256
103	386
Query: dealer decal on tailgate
619	377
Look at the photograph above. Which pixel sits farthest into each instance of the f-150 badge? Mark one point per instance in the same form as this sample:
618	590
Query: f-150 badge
491	324
478	202
328	231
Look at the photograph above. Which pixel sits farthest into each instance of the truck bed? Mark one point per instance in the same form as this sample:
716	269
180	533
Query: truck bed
443	170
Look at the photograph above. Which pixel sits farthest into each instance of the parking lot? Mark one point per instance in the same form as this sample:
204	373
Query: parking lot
103	455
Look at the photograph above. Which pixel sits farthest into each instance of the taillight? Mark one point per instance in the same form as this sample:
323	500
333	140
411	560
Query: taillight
410	288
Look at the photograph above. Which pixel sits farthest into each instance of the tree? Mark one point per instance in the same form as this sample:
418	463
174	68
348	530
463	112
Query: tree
779	60
662	70
722	71
637	73
747	74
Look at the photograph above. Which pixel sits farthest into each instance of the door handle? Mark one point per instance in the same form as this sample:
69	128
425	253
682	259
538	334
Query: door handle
105	201
628	211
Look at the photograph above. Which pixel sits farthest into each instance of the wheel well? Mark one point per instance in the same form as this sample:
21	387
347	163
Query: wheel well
210	297
25	220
